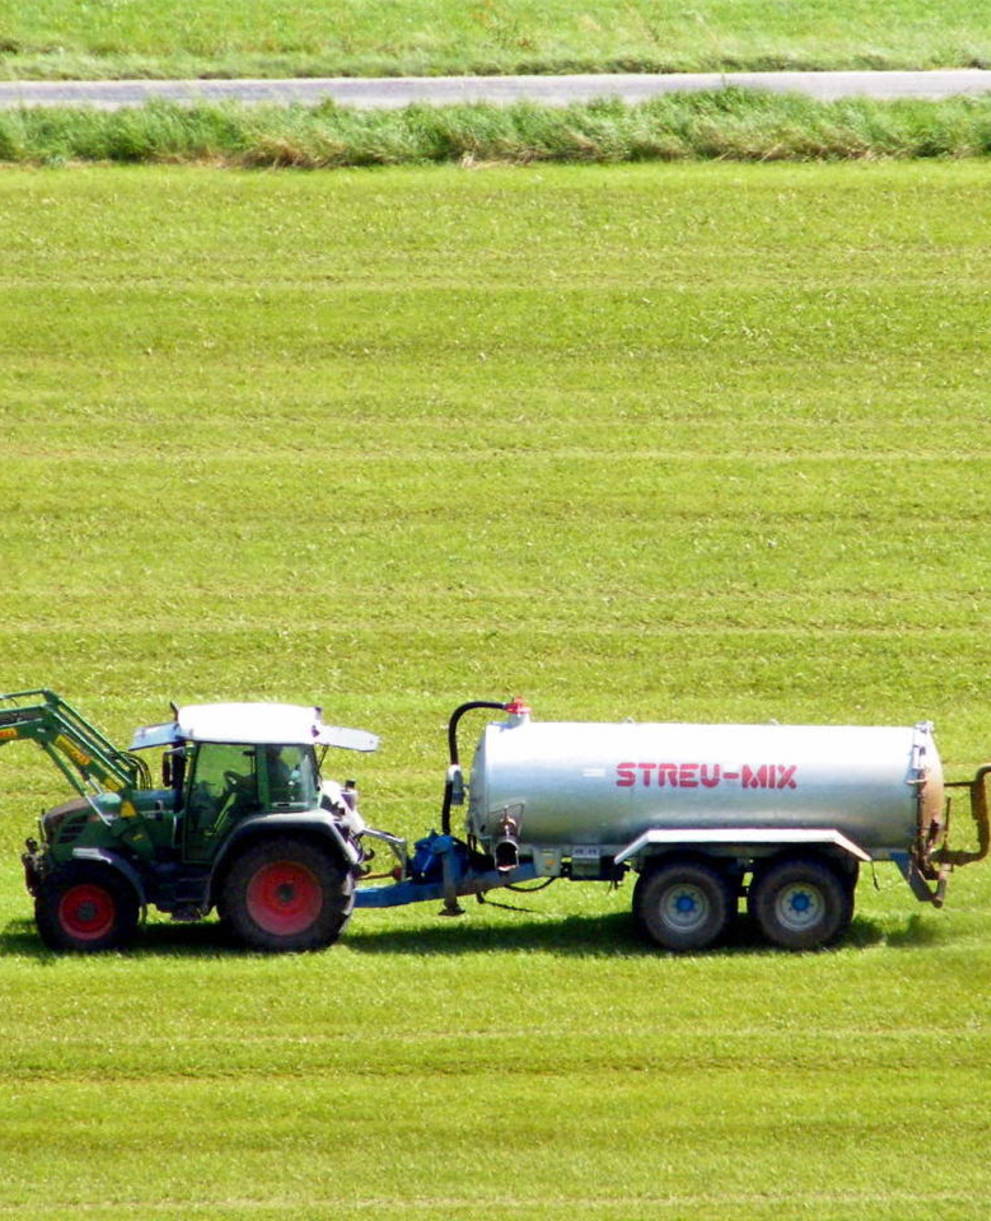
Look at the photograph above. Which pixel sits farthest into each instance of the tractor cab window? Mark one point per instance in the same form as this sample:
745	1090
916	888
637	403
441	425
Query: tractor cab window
224	775
290	777
230	781
236	779
222	786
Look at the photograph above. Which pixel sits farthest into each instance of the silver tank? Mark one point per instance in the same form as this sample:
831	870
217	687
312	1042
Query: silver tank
605	784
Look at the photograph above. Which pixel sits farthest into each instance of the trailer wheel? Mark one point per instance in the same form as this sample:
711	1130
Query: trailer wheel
683	906
286	894
800	904
86	907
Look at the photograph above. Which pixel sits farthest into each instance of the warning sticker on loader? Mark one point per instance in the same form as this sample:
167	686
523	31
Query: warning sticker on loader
68	747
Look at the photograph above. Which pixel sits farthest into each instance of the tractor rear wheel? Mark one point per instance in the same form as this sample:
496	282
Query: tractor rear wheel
286	894
86	907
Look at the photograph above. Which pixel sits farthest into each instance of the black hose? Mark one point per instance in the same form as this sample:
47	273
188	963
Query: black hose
452	749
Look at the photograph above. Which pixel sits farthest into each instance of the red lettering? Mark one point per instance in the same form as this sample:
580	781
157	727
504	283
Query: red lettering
754	779
709	775
686	776
667	773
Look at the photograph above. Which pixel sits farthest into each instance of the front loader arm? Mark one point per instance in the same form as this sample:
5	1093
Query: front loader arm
85	756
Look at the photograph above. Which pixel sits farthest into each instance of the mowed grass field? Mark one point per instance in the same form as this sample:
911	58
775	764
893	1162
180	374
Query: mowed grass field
62	39
704	442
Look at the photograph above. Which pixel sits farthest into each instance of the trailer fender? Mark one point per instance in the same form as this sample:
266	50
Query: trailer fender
115	861
766	838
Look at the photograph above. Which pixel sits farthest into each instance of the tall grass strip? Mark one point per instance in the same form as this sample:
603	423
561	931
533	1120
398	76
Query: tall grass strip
736	125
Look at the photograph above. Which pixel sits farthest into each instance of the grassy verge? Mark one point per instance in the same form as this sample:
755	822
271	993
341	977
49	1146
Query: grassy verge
165	38
736	125
701	443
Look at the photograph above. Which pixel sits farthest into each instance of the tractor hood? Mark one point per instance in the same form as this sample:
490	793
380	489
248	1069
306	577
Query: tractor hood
278	724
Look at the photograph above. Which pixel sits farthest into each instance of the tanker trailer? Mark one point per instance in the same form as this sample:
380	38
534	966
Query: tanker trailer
781	815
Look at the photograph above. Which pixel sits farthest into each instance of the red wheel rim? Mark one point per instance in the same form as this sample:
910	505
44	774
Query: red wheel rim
284	898
87	912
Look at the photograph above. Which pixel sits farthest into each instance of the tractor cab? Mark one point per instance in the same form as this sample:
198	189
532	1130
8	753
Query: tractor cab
224	763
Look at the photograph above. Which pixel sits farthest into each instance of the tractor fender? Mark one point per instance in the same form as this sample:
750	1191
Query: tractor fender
316	823
113	860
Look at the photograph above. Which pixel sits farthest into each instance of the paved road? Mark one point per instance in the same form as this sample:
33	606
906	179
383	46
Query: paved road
395	92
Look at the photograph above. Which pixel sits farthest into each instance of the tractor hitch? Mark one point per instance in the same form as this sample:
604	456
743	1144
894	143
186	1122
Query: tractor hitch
443	867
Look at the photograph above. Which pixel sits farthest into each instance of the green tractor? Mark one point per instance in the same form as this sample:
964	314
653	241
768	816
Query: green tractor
243	822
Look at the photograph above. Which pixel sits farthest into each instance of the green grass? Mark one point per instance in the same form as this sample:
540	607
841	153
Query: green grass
498	1080
735	125
689	442
126	38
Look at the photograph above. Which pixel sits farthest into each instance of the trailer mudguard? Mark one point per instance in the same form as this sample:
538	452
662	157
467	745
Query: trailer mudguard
765	839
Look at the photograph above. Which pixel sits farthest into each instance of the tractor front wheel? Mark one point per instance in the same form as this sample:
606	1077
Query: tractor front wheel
286	894
86	907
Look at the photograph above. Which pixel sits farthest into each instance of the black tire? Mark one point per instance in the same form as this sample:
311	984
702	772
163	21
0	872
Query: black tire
86	907
683	906
801	903
286	894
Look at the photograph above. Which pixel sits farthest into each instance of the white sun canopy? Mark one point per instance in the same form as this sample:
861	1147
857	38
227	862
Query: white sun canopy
279	724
